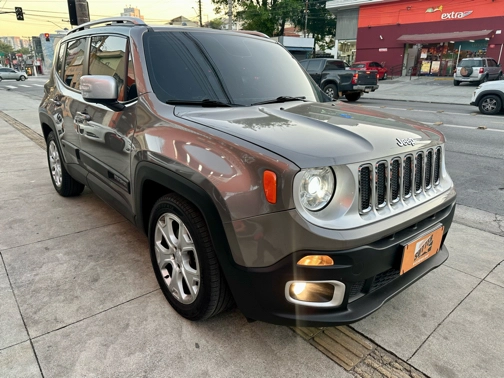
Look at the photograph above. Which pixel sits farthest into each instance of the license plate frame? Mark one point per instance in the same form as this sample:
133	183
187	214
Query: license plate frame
421	248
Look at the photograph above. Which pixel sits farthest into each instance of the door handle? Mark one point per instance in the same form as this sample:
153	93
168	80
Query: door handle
56	101
82	116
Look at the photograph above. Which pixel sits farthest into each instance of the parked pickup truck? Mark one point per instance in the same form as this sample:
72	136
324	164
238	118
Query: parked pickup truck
333	77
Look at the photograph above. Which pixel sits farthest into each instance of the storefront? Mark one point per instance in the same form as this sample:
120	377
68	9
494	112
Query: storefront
425	37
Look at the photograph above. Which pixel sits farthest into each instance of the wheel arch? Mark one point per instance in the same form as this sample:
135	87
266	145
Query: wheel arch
490	92
46	124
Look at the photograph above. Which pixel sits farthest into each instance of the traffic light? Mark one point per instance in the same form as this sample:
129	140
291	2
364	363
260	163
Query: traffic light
19	13
47	37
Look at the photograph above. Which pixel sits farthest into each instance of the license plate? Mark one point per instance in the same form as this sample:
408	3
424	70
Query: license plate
421	249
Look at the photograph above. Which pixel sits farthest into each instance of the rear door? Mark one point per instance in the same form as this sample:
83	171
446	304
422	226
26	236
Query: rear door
314	68
493	70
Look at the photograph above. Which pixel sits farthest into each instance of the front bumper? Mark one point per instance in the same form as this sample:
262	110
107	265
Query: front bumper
370	274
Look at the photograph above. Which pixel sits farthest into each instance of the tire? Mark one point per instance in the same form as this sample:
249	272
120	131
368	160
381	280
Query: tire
208	294
466	71
22	78
65	185
1	79
456	83
490	105
384	76
499	76
484	79
332	91
352	97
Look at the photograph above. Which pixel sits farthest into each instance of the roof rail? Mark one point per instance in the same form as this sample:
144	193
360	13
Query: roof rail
112	20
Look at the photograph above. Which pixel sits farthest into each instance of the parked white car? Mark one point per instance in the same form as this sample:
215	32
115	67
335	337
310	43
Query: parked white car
7	73
489	97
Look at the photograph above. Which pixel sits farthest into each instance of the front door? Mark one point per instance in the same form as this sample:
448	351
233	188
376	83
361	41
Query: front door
105	134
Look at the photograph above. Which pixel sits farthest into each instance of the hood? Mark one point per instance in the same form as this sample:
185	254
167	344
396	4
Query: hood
317	134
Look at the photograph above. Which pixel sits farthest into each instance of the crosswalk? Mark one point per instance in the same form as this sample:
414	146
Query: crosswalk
3	86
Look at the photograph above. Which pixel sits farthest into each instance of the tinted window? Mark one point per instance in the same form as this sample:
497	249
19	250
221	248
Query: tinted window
471	63
491	63
193	66
108	57
74	62
59	61
304	63
332	65
358	66
314	65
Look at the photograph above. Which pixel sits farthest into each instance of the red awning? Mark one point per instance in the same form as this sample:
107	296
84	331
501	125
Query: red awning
444	37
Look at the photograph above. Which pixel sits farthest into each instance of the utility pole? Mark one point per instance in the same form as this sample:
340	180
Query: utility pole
306	18
230	15
200	20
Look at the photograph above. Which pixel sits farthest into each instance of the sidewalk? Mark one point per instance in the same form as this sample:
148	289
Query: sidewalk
78	297
424	89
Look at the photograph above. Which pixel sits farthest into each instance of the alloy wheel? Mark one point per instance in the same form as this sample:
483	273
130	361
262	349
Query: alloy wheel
177	258
330	92
489	105
55	164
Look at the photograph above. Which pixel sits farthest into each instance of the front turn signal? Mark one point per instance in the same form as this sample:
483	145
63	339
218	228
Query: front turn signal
270	186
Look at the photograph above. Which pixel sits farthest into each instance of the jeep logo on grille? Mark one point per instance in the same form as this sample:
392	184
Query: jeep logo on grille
405	142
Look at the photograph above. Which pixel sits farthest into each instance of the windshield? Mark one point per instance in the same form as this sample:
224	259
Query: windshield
471	63
194	66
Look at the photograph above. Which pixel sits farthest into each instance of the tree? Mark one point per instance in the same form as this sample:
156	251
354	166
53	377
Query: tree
266	16
321	23
5	48
216	23
23	50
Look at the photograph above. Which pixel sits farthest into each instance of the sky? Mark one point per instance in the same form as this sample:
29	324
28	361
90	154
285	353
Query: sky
46	16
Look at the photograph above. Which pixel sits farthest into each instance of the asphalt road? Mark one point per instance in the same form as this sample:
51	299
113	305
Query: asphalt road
474	157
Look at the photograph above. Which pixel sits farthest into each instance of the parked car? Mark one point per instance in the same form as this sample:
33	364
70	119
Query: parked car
7	73
489	97
334	78
251	185
371	66
477	70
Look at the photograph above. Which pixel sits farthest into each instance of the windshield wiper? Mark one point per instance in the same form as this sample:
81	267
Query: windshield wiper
205	103
279	100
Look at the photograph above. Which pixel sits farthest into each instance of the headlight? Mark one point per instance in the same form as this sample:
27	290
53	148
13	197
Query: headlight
316	188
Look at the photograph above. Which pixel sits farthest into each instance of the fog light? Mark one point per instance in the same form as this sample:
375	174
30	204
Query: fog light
315	293
316	260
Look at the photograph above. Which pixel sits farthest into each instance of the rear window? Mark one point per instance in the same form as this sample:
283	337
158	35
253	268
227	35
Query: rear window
358	66
471	63
335	65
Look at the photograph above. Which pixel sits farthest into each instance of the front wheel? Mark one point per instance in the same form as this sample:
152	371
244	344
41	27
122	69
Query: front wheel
184	259
352	97
64	184
332	91
22	78
0	79
490	105
384	76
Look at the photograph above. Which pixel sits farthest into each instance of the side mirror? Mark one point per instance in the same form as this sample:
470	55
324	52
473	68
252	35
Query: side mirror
101	89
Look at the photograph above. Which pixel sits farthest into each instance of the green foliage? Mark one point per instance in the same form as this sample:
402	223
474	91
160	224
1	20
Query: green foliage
321	24
23	50
216	23
5	48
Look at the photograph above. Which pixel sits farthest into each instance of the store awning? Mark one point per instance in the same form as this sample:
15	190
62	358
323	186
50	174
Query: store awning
444	37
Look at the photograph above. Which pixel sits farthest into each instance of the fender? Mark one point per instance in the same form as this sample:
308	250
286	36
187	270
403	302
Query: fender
47	120
221	230
490	92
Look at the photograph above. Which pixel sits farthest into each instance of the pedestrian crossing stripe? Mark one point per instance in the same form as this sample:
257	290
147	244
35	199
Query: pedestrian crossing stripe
38	85
26	86
10	86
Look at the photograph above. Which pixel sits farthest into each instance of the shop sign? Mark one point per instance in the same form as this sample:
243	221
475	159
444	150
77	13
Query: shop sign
448	16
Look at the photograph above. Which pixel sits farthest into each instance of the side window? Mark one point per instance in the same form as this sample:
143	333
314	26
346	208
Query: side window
59	61
491	63
313	65
74	63
304	64
484	62
108	57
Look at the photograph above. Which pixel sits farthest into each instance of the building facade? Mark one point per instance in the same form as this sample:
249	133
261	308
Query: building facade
421	37
132	12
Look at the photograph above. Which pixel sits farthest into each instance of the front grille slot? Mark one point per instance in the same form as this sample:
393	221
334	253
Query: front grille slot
395	180
418	172
428	169
365	189
383	279
407	176
381	184
437	165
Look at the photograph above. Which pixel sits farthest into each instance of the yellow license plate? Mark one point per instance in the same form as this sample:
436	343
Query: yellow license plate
421	249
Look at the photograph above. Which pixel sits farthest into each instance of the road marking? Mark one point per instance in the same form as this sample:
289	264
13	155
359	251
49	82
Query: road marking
26	86
462	127
38	85
425	111
11	87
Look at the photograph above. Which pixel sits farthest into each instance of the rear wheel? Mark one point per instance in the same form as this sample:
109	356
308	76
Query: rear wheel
332	91
484	79
384	76
490	104
456	83
64	184
184	259
352	97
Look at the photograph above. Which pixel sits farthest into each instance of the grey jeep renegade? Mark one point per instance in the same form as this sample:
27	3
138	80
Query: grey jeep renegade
252	185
